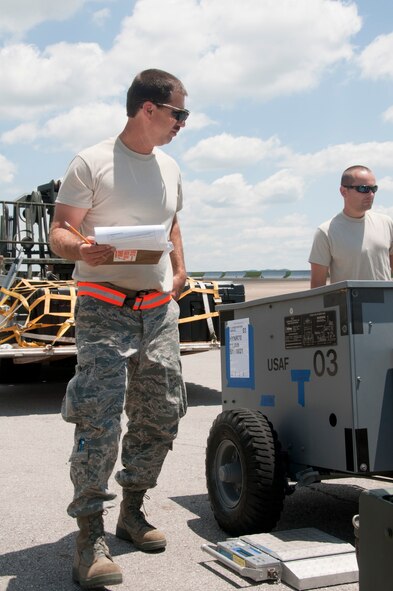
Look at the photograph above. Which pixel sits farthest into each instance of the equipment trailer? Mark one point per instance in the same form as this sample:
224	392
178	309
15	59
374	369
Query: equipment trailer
307	395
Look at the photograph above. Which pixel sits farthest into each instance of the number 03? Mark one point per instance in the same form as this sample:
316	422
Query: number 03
325	363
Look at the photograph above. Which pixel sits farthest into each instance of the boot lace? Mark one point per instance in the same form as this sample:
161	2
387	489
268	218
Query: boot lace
97	535
136	500
137	511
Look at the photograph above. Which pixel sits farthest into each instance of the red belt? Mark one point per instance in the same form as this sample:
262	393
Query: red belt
143	300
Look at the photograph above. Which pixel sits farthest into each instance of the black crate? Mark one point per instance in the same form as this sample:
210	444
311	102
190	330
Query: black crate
192	305
56	306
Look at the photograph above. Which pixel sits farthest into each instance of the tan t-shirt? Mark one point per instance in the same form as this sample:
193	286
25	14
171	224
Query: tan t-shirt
354	248
120	187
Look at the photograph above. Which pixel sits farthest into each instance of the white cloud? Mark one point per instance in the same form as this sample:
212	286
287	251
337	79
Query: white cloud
223	50
197	121
86	125
219	199
388	115
375	61
228	151
76	129
281	187
100	17
25	133
226	50
230	201
7	170
248	242
338	157
294	227
18	16
385	183
35	82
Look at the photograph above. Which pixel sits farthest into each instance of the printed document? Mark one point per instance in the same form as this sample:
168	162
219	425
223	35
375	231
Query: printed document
128	240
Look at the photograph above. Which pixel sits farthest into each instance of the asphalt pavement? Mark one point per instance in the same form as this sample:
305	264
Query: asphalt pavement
37	536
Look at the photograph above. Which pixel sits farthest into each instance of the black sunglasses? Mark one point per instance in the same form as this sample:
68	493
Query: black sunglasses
179	114
363	188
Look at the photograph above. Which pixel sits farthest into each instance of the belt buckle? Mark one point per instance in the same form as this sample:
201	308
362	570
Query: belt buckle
130	300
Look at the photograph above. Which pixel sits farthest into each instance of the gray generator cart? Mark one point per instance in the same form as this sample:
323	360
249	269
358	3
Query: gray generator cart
307	395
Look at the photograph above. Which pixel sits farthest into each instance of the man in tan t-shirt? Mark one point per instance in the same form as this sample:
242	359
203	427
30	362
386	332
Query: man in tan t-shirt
357	243
126	322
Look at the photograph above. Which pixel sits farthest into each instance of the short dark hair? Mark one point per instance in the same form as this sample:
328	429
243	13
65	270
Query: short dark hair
152	85
347	175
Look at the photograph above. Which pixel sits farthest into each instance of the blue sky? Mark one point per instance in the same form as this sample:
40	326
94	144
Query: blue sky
284	95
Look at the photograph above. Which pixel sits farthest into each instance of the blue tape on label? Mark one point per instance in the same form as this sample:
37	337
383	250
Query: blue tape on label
249	380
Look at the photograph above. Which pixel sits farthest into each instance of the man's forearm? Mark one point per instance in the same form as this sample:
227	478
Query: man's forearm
319	275
177	260
64	244
67	245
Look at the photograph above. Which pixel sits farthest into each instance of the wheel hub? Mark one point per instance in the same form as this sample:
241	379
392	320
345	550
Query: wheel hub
230	473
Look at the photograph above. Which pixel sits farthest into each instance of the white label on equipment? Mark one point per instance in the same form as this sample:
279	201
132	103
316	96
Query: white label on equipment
239	354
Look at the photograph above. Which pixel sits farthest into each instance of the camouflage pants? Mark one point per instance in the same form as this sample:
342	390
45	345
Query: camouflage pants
126	359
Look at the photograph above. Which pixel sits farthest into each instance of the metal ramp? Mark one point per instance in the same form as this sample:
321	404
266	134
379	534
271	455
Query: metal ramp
305	558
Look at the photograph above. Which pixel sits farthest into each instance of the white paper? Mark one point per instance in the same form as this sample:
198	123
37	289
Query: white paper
134	237
129	239
239	355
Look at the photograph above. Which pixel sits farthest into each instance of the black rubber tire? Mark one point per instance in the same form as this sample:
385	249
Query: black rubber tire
245	472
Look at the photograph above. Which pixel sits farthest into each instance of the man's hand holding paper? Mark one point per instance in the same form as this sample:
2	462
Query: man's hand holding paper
96	254
134	244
